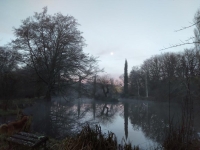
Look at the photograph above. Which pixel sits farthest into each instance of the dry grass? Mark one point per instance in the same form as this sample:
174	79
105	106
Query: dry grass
181	139
93	139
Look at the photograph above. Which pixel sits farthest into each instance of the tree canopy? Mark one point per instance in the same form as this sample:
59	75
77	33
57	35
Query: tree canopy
52	45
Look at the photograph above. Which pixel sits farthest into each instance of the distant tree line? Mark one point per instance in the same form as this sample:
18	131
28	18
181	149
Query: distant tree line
169	73
162	71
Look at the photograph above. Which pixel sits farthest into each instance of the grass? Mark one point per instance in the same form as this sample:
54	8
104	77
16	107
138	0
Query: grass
14	105
8	112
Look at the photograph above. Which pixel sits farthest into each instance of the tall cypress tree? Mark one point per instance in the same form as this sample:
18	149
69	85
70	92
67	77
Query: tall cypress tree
126	78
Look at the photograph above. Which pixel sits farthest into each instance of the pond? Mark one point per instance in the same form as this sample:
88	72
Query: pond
143	123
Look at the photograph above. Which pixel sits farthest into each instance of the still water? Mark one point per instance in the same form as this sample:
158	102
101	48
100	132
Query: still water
140	122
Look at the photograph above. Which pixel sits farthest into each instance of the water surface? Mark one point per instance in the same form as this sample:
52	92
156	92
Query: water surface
140	122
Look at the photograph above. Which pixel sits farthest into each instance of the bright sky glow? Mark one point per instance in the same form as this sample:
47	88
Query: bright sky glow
130	29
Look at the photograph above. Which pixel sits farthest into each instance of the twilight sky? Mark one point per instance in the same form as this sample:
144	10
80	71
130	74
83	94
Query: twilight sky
114	30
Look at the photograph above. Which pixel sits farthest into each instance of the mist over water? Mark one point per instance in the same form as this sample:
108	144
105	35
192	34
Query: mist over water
143	123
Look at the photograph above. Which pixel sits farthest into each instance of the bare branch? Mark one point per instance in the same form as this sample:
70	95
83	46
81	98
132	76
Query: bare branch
54	46
181	44
183	28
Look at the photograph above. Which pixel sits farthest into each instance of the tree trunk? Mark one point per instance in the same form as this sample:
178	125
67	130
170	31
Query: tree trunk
94	86
79	88
146	86
105	90
138	87
48	95
103	111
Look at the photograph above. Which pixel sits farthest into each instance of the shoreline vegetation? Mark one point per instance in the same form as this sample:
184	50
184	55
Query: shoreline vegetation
88	139
92	138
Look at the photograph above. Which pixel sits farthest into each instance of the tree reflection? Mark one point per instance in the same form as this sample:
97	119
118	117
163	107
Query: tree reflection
126	114
152	119
60	120
94	109
105	113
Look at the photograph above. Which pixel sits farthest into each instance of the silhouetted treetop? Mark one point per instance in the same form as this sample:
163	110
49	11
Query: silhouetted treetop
52	46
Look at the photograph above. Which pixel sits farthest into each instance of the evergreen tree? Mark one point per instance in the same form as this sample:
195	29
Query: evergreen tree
126	78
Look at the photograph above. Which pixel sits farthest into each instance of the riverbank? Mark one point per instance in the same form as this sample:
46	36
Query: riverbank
88	139
94	139
135	121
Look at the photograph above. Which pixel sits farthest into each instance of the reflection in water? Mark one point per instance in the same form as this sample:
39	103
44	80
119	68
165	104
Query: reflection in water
94	109
141	122
126	119
79	108
105	113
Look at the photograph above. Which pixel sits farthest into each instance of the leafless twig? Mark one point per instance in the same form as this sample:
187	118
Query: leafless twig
183	28
181	44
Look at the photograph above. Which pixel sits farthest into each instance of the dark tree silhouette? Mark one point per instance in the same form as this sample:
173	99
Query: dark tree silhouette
126	79
104	82
52	46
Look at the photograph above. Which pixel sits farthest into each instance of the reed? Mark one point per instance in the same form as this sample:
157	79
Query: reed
93	139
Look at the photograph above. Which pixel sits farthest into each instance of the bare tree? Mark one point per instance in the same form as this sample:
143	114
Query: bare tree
135	80
192	40
52	46
104	82
145	70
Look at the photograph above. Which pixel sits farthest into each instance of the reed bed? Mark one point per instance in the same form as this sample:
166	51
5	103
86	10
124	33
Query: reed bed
93	139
